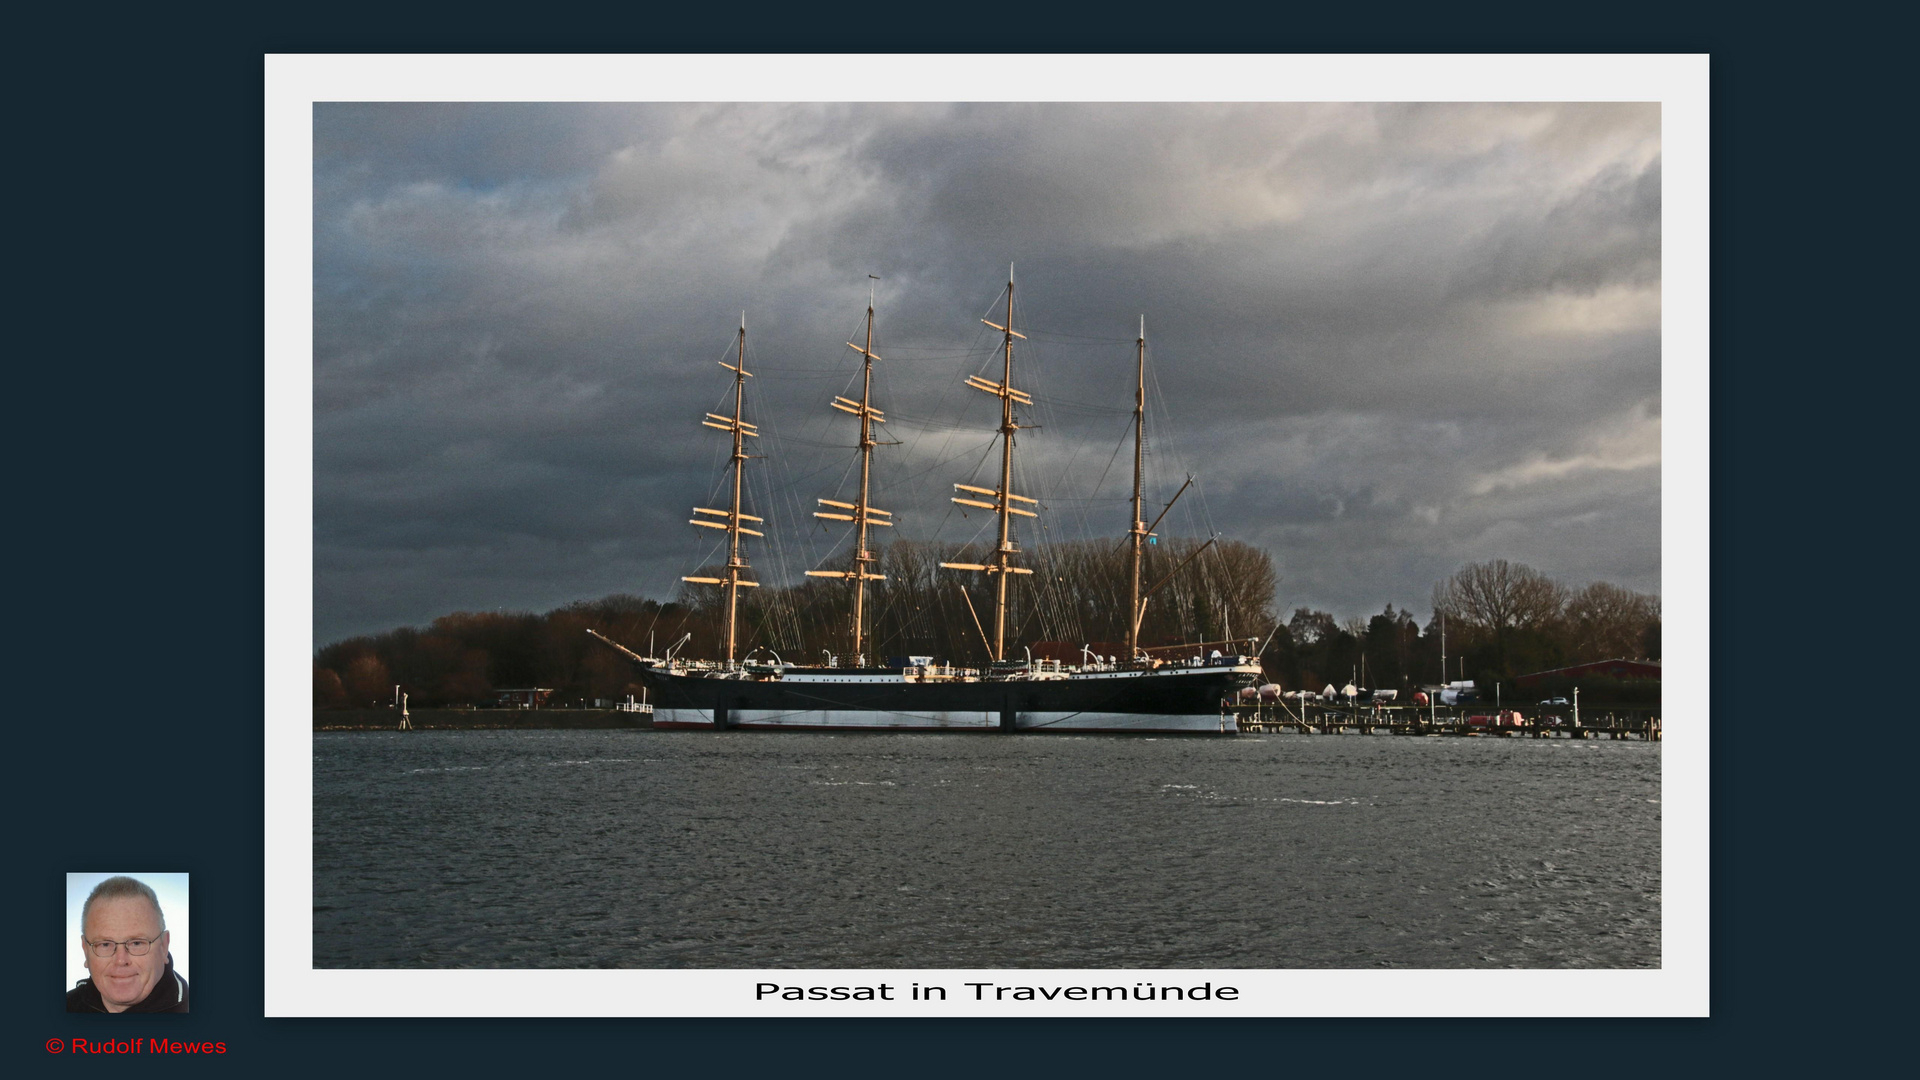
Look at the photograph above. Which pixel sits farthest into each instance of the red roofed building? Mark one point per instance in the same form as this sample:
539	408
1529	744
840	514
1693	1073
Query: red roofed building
530	698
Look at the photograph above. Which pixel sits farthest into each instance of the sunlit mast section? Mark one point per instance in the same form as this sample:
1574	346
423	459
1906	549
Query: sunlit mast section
1003	496
1138	531
1141	532
863	515
732	518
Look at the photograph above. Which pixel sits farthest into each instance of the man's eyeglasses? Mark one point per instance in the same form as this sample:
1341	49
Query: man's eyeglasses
136	947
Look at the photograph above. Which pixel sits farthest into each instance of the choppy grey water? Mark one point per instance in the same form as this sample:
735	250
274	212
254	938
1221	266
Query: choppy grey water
585	849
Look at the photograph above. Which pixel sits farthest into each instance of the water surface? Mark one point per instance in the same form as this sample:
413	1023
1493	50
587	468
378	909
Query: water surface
654	849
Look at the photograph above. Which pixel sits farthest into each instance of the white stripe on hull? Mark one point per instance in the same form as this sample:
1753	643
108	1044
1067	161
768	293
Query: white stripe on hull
1210	723
873	720
682	718
864	718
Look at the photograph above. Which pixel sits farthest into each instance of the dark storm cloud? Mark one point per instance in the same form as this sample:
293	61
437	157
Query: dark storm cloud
1389	339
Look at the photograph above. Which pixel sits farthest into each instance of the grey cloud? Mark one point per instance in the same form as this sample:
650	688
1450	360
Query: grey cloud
1389	338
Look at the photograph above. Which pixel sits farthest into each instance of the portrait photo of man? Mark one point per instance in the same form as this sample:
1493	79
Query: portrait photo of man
125	944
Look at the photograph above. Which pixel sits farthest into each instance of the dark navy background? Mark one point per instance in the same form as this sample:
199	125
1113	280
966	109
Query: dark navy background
137	514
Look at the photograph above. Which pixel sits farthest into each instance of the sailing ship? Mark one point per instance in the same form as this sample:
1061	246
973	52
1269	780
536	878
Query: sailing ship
1135	692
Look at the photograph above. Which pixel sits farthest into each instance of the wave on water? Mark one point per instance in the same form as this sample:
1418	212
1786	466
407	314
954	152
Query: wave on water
739	851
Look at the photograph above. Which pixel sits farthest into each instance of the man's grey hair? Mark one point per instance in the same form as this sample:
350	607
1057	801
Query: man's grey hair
115	888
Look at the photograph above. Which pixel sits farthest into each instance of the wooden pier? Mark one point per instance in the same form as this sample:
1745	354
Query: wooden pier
1639	724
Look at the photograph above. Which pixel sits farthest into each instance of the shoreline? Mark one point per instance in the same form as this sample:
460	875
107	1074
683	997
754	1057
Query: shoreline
388	719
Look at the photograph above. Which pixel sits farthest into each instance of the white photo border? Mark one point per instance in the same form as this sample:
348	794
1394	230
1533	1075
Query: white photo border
296	83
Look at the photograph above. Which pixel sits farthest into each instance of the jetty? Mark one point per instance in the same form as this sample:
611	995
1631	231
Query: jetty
1627	723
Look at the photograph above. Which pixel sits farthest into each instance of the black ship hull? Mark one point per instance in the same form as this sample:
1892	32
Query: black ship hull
1173	699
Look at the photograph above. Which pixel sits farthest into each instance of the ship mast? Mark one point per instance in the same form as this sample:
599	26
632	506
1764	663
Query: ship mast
1138	531
1141	533
863	514
736	562
1004	498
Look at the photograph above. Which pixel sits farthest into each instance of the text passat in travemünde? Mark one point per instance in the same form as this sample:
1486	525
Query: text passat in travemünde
986	991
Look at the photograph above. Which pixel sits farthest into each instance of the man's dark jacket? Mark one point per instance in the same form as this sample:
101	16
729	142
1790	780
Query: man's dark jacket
169	994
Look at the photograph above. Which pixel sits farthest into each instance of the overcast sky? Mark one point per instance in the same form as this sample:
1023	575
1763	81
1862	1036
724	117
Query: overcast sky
1387	340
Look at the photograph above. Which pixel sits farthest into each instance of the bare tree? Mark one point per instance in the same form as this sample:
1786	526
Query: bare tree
1605	621
328	693
366	680
1500	596
1495	602
1310	627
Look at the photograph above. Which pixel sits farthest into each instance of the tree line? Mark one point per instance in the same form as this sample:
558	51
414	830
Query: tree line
1501	619
1492	622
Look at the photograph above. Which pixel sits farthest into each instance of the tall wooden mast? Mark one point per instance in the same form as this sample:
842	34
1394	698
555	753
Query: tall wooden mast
736	562
863	515
1142	533
1138	531
1004	498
